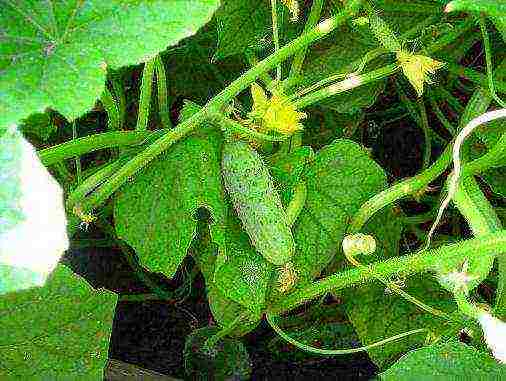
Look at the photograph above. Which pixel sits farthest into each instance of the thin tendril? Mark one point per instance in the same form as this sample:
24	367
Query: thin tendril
330	352
392	286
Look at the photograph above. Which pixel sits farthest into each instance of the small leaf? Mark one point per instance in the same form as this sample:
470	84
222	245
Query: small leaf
55	55
446	360
59	331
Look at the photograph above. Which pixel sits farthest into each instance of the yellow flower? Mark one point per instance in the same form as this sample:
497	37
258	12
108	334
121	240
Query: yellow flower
293	7
417	68
275	114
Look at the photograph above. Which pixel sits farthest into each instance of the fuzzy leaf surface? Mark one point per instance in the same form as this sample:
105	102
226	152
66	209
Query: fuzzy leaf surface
55	54
446	360
59	331
156	213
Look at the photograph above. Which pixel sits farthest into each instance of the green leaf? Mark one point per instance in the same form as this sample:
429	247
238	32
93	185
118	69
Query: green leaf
341	178
247	24
243	275
229	360
446	361
378	313
156	213
206	78
224	309
59	331
287	170
39	125
55	54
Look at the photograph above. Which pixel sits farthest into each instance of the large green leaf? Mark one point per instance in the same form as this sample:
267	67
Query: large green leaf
446	361
55	54
341	178
156	213
59	331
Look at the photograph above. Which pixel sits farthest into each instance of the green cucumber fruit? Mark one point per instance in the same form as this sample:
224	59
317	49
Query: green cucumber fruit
257	203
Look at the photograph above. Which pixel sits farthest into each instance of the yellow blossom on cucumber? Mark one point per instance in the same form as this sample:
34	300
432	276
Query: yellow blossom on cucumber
274	114
418	68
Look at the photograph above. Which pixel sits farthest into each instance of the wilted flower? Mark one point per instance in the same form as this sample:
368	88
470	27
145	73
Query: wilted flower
418	68
495	335
276	114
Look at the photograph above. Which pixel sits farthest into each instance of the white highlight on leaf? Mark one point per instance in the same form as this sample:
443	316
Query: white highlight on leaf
37	242
495	335
455	177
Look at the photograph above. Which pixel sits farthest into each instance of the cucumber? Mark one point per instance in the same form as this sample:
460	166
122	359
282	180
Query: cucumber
257	203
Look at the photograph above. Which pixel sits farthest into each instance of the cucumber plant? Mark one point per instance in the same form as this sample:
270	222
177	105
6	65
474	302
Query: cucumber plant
278	189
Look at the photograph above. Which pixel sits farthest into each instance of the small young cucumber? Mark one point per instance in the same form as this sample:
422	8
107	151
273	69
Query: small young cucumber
257	203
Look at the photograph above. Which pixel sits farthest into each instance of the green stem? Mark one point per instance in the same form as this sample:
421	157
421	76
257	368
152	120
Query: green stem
77	159
95	142
488	60
472	75
312	20
215	105
350	83
161	91
119	92
424	123
145	95
404	266
93	181
441	116
112	110
275	35
252	61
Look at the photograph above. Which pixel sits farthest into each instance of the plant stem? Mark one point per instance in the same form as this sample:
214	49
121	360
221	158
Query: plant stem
112	110
400	266
351	82
473	76
424	123
95	142
275	35
314	16
119	92
145	95
77	159
161	91
215	105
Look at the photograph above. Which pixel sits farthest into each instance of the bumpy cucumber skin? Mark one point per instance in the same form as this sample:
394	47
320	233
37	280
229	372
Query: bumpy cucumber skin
257	203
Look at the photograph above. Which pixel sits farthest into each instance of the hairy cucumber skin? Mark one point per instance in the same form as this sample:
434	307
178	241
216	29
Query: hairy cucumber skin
257	203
